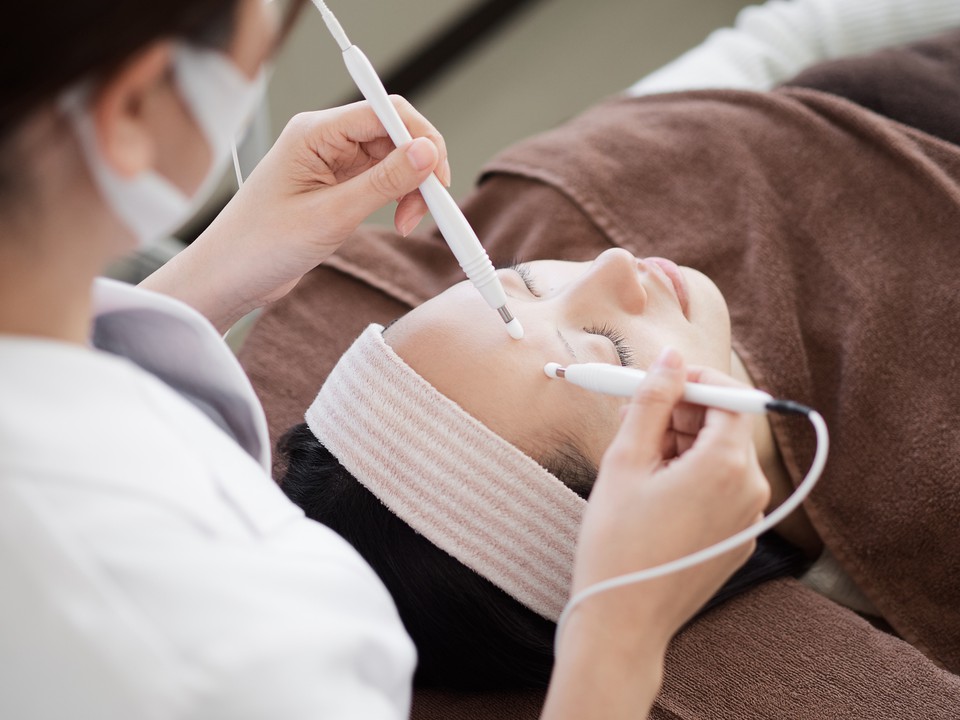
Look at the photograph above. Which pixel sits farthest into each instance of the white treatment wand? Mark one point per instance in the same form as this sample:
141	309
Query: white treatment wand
623	382
453	225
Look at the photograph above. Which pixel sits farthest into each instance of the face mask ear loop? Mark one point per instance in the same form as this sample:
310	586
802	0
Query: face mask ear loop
262	79
236	164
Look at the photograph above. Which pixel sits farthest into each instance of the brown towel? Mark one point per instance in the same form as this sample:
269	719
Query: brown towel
833	234
917	86
782	651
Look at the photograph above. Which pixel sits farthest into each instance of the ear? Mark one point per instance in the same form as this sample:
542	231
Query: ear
119	109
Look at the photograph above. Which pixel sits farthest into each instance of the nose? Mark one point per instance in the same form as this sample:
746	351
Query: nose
612	282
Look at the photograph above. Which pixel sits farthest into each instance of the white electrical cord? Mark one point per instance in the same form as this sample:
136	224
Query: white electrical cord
708	553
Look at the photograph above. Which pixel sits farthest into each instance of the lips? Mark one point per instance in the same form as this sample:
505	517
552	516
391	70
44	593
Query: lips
676	280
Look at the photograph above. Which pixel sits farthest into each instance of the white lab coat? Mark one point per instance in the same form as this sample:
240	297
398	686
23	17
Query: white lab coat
149	567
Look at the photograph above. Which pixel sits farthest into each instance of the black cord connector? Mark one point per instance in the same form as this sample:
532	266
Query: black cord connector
788	407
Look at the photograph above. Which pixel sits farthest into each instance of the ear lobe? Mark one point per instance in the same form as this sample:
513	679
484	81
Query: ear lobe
119	109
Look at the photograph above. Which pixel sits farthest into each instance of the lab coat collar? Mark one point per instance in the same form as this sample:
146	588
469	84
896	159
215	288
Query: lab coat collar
172	341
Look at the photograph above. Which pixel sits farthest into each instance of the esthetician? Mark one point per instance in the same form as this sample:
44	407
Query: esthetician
150	567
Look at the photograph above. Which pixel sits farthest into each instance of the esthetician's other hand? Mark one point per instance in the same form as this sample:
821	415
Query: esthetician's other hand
326	173
676	479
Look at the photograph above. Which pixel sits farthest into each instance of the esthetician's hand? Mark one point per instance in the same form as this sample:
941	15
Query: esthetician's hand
676	479
326	173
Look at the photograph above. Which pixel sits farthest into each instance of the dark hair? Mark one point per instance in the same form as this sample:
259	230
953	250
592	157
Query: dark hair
469	634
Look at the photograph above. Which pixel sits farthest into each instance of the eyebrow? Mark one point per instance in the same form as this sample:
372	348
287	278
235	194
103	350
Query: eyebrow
567	345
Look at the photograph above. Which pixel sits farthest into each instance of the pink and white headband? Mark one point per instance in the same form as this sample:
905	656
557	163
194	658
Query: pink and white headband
448	476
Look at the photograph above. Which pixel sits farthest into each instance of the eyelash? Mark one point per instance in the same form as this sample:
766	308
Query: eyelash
524	272
624	352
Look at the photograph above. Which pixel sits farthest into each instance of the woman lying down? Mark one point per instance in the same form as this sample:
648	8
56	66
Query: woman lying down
816	250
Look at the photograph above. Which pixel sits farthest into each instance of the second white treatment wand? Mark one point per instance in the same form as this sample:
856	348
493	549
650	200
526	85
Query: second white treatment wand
453	225
623	382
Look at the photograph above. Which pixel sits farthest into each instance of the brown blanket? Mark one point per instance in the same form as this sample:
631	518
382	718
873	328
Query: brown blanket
833	235
918	86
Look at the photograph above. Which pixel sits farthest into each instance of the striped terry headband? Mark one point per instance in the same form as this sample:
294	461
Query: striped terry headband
449	477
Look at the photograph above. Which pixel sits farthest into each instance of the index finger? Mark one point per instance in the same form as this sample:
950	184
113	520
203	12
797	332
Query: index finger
358	123
726	437
419	126
640	438
688	418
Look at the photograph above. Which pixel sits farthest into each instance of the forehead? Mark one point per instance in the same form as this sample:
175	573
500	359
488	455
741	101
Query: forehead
455	333
460	311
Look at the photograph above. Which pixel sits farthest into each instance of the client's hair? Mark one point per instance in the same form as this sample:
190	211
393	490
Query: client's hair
469	634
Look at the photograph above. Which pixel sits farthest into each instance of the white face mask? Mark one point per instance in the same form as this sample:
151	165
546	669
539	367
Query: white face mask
221	100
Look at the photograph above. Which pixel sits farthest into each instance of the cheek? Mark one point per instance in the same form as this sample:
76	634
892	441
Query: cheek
594	421
703	341
698	346
565	415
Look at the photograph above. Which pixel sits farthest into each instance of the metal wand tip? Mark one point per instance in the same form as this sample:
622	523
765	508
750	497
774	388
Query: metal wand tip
514	328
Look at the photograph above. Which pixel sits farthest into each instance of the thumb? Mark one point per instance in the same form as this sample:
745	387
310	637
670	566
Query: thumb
397	174
647	418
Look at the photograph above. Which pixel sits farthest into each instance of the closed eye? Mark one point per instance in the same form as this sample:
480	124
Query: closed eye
624	351
523	271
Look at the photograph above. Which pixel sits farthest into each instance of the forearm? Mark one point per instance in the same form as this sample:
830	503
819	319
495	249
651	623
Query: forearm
770	43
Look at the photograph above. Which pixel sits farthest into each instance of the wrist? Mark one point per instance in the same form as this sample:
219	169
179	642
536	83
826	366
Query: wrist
611	626
606	668
202	282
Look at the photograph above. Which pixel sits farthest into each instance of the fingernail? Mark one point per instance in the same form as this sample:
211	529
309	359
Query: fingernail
421	154
447	174
669	359
408	226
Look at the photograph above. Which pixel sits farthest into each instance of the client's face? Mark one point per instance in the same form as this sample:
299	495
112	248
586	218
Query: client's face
616	310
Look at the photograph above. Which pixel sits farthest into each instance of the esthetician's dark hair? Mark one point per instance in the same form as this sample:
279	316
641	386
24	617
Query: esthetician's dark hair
469	634
47	46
